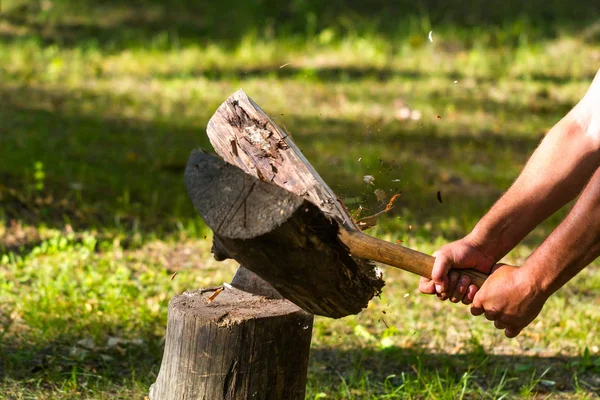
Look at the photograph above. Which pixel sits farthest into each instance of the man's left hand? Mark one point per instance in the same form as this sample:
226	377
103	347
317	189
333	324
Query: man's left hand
510	298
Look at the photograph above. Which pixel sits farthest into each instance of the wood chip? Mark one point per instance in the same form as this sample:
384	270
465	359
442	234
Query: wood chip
370	221
391	202
215	294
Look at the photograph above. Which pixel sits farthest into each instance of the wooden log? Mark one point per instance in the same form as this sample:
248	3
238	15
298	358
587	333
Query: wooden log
244	135
238	346
283	238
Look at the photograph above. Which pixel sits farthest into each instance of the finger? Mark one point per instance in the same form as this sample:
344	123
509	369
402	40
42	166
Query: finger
470	295
426	286
452	281
496	267
491	315
461	289
471	292
476	311
477	298
499	325
439	273
511	332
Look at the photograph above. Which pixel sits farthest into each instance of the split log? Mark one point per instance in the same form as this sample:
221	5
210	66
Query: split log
283	238
236	347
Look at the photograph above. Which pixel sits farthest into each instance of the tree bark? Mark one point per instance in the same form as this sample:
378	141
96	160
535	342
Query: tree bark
236	347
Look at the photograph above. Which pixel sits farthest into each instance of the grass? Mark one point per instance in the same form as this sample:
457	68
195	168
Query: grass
97	119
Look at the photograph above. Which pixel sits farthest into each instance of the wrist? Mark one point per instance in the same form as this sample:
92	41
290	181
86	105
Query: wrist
486	242
538	281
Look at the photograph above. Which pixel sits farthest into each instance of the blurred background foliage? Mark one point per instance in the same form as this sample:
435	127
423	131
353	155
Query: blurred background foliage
101	103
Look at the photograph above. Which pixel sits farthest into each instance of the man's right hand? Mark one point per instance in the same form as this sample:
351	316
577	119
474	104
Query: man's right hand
463	253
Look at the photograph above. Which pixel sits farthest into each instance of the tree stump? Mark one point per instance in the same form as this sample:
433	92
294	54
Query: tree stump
237	346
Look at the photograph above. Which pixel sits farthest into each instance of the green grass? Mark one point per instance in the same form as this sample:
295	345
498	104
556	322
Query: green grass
101	104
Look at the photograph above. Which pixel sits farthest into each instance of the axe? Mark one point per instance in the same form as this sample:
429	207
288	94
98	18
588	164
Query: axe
271	211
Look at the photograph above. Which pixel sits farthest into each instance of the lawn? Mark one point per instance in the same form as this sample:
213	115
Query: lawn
101	104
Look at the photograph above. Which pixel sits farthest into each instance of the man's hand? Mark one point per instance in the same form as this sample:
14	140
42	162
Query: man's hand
510	298
463	253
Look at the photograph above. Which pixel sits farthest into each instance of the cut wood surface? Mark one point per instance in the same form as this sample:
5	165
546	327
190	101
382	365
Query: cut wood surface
226	344
282	237
244	135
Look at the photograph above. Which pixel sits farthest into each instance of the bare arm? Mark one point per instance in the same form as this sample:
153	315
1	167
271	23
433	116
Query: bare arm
512	297
573	245
555	174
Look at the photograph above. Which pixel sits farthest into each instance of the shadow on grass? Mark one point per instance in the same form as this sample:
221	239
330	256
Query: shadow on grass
333	74
383	370
95	171
101	170
67	361
185	21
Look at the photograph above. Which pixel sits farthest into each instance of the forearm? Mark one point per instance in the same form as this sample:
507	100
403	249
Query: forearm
555	174
573	245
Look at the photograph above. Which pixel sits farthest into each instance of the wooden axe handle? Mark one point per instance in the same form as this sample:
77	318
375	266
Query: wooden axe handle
365	246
